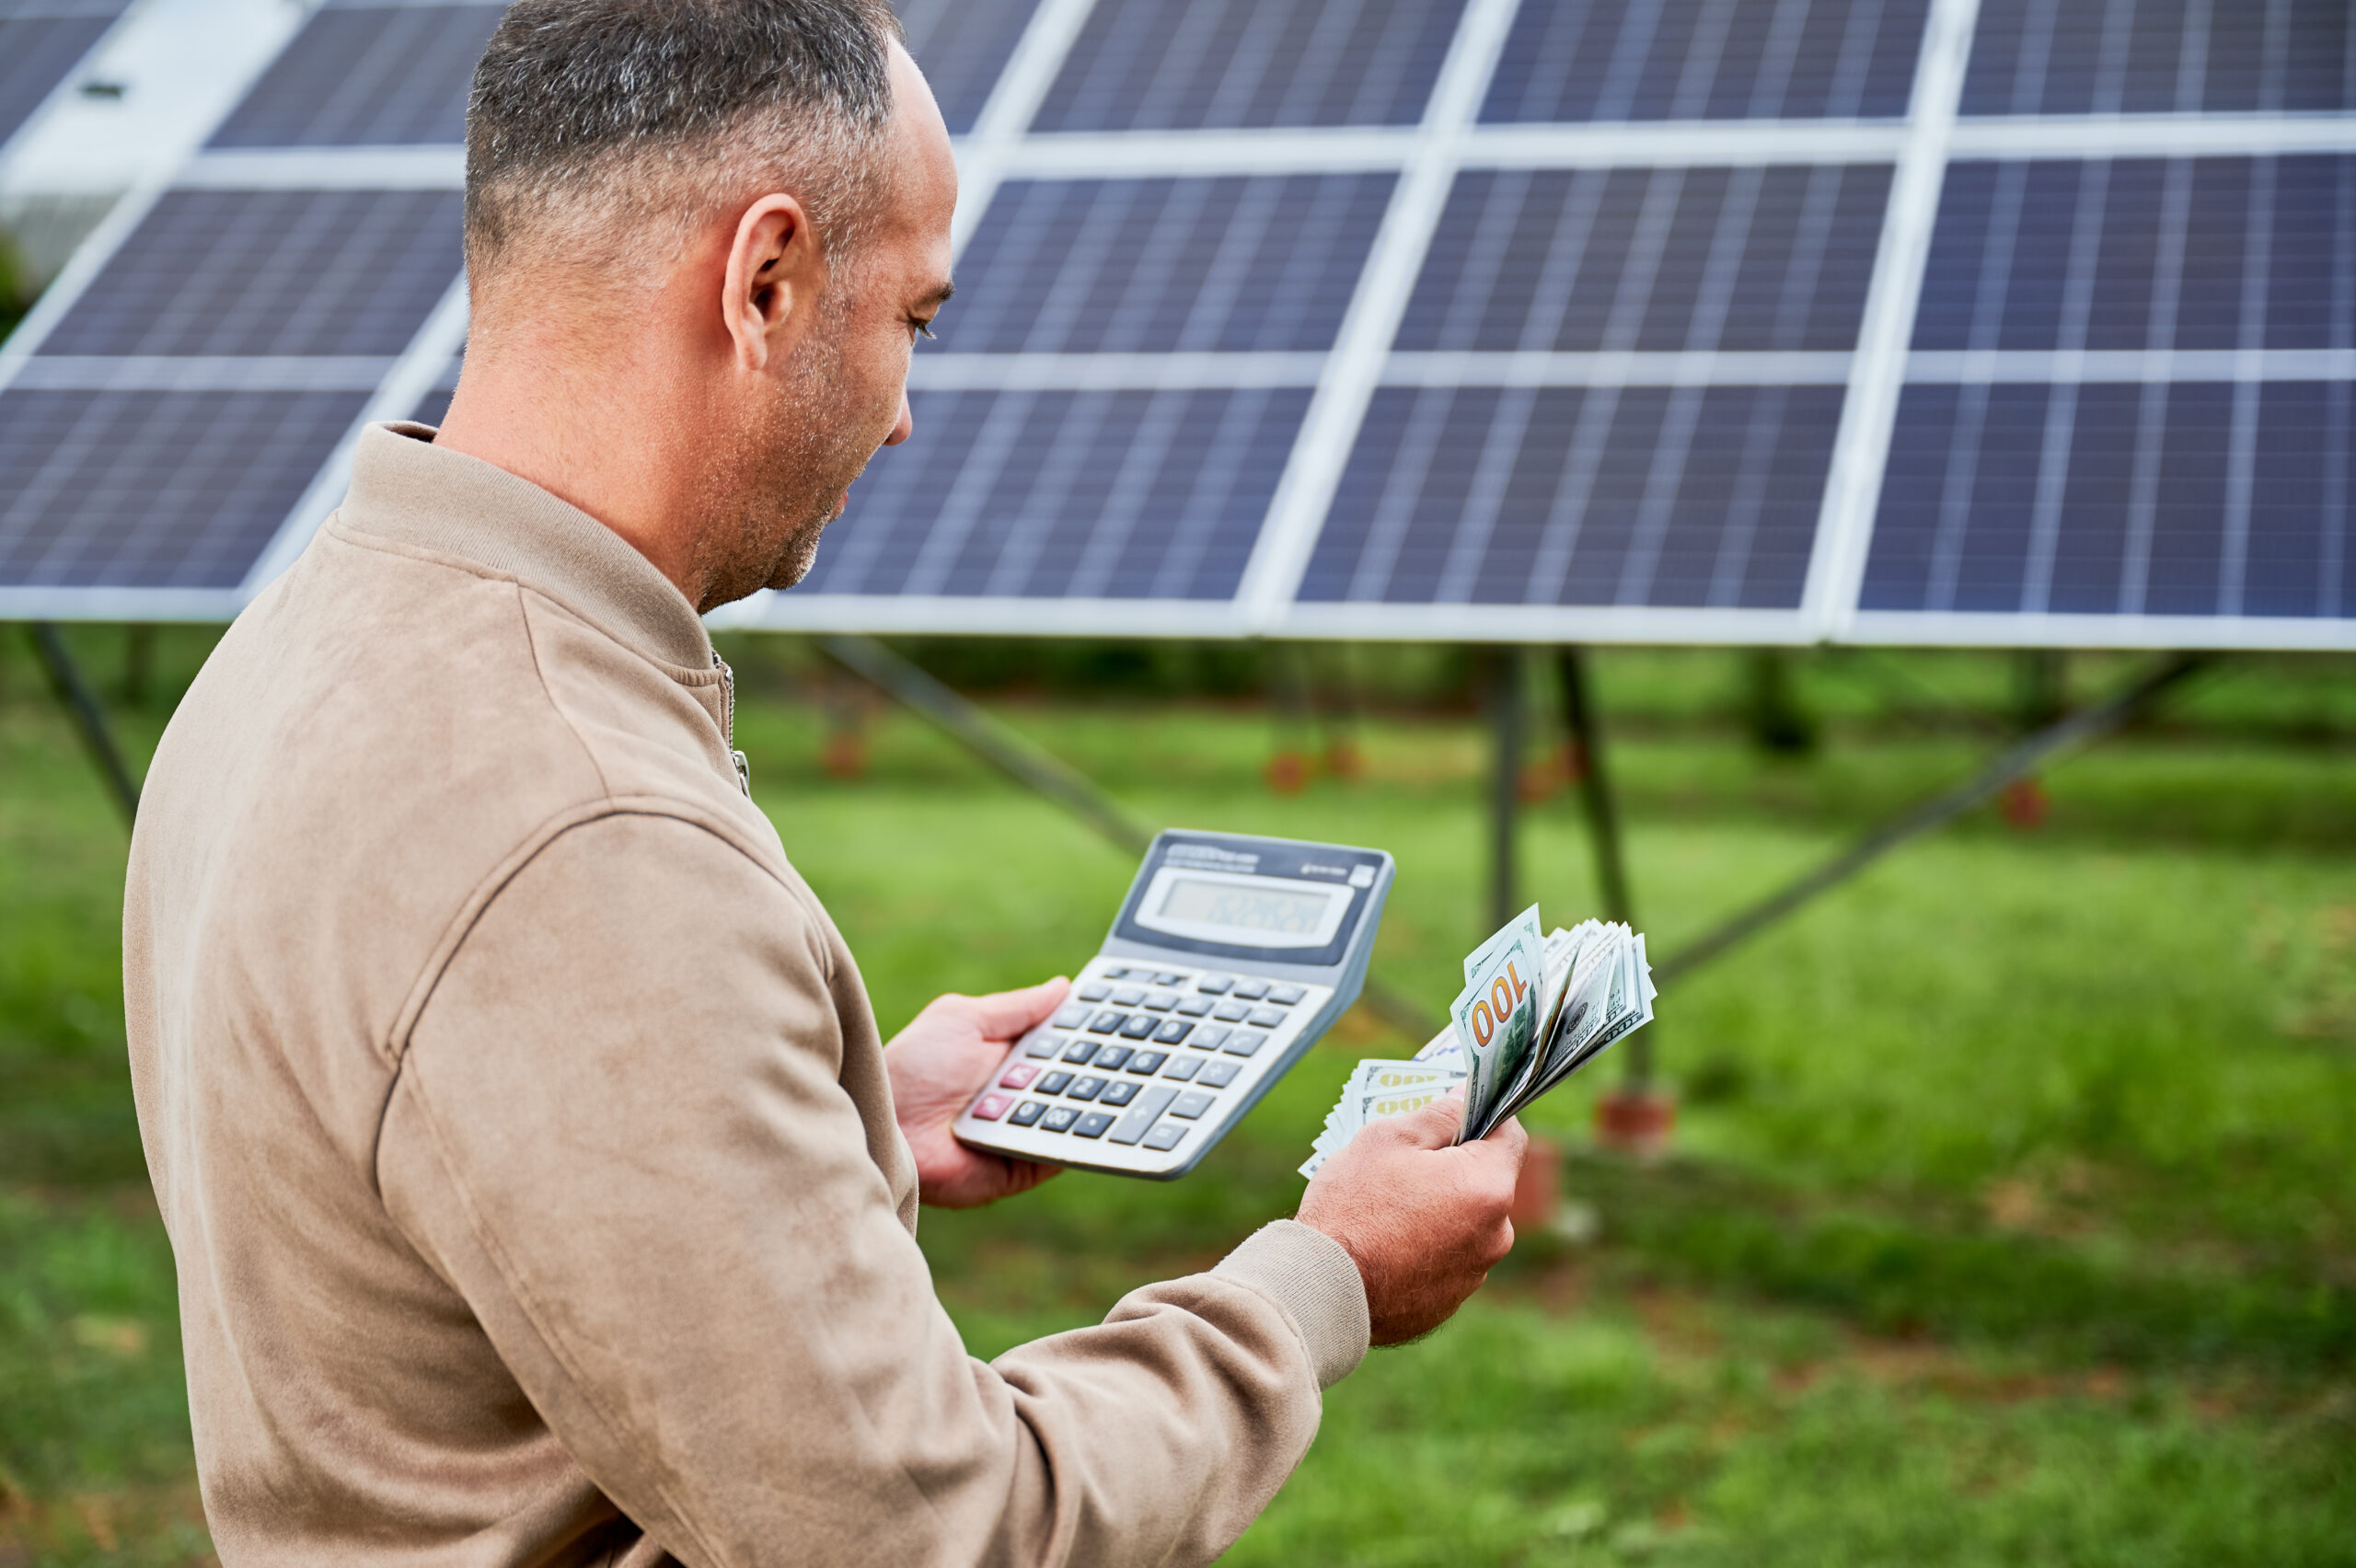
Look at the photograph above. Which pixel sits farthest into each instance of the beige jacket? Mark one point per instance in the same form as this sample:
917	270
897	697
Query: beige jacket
522	1127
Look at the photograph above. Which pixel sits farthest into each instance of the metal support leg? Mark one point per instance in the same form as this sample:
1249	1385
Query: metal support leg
90	720
1505	780
1602	808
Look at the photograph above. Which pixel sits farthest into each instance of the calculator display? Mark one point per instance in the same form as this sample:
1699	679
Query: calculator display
1243	909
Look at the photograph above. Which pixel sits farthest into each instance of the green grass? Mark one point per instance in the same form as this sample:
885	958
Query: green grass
2012	1217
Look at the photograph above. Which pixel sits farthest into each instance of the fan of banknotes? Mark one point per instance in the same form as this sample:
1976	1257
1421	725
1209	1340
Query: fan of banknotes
1535	1011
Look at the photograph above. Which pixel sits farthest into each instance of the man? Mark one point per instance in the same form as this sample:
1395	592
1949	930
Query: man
541	1190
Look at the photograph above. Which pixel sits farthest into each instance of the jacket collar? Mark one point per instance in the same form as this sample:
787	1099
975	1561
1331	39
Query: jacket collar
407	489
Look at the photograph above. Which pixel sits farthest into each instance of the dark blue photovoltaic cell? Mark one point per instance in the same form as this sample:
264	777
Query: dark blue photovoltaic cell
2189	499
1121	495
155	489
2161	56
2144	253
963	45
1633	60
1669	260
1140	266
1661	496
361	75
1234	64
271	273
39	45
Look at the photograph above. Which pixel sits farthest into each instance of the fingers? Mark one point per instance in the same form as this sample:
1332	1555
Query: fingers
1005	1014
1429	1126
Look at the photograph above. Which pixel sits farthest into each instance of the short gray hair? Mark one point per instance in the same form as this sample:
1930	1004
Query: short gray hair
592	118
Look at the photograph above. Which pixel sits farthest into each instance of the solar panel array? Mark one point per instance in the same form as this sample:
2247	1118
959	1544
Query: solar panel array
41	43
2012	321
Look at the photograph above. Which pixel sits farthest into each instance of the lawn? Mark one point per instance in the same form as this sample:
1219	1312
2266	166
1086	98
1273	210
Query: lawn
2011	1217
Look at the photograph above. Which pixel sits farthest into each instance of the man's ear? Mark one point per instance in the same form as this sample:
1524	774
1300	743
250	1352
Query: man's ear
776	269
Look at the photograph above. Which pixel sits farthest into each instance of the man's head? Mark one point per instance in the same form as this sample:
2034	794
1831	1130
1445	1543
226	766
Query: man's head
724	218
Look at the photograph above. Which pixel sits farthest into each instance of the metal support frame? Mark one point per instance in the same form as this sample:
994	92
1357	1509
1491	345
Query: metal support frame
81	703
1602	810
1506	720
1040	771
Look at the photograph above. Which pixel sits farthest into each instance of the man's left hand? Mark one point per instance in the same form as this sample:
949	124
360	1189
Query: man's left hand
937	1064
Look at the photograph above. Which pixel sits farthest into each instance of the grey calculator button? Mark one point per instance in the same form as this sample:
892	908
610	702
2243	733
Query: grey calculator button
1086	1088
1210	1037
1170	977
1243	1042
1216	985
1109	1059
1092	1125
1094	993
1217	1075
1231	1012
1052	1083
1059	1118
1140	1025
1071	1015
1116	973
1129	996
1119	1093
1025	1113
1267	1018
1166	1136
1106	1022
1082	1049
1162	1001
1043	1044
1251	990
1145	1064
1172	1030
1141	1115
1194	1006
1182	1068
1286	995
1191	1105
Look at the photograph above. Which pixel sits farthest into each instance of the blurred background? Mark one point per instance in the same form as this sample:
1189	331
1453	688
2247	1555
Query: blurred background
1880	465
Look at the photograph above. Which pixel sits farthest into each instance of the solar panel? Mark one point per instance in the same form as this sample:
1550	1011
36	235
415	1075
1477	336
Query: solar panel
367	75
2161	57
964	46
41	42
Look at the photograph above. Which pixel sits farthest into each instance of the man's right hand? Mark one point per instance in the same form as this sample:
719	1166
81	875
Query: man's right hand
1424	1219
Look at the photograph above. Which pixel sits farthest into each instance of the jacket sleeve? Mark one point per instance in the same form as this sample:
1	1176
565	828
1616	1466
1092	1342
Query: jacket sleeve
617	1131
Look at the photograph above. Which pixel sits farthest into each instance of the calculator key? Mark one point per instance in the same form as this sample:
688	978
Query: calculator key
1071	1015
1059	1118
1092	1125
1128	996
1116	973
1043	1044
1251	990
1194	1006
1053	1083
1019	1076
1082	1049
1191	1105
1243	1042
1147	1063
1166	1136
1162	1001
1210	1037
1140	1026
1092	993
1286	995
1025	1113
1217	1075
1225	1013
990	1107
1106	1022
1141	1115
1267	1018
1216	985
1182	1068
1119	1093
1088	1088
1172	1030
1170	977
1111	1058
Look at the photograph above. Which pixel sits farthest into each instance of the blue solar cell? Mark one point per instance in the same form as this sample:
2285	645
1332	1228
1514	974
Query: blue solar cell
1639	60
155	489
2188	499
1230	64
40	43
1138	266
963	46
367	75
1668	259
2160	56
271	273
2207	253
1661	496
1123	495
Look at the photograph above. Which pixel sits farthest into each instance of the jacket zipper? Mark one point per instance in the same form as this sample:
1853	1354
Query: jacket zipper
728	722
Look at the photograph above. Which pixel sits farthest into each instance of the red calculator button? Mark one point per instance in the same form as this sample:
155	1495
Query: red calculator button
1019	1076
990	1107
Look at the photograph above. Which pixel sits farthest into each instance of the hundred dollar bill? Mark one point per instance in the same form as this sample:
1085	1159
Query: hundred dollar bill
1377	1089
1496	1018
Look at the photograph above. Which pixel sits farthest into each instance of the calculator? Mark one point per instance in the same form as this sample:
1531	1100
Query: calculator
1229	957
